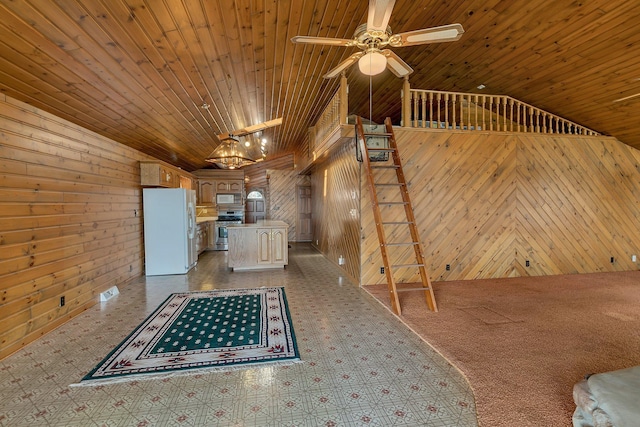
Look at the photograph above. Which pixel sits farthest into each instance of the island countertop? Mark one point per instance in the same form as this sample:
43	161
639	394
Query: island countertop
262	223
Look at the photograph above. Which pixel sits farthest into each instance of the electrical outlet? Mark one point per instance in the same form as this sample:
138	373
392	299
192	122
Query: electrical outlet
381	270
613	260
448	267
527	264
634	258
62	301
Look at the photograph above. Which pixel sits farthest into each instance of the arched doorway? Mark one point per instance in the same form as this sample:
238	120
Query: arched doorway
255	206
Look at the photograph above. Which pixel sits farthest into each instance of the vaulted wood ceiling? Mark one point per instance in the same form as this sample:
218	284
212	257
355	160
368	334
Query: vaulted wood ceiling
139	71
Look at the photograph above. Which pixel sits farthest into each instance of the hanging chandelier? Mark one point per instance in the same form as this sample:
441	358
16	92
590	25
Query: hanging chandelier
230	154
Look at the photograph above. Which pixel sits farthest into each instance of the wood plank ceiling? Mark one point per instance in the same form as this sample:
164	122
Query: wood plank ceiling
140	71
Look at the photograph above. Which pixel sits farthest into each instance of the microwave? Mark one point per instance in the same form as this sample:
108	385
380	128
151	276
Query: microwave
228	199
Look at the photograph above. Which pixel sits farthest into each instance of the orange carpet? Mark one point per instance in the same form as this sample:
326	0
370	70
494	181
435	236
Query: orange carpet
524	342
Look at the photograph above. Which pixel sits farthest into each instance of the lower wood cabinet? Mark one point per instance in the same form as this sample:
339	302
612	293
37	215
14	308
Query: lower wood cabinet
201	237
205	236
272	245
211	235
257	246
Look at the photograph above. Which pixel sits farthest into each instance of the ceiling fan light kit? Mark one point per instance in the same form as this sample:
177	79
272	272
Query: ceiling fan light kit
372	63
376	35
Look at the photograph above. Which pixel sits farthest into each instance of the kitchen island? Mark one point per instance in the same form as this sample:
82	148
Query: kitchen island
264	244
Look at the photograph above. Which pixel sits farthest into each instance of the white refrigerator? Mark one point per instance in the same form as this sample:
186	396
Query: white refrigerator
169	230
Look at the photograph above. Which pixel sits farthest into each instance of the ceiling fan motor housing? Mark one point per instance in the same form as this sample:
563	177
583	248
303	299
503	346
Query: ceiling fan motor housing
364	38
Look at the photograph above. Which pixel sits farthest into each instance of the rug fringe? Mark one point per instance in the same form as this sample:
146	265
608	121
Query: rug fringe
199	371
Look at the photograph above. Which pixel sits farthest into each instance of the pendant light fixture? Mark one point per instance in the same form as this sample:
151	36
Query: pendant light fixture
230	154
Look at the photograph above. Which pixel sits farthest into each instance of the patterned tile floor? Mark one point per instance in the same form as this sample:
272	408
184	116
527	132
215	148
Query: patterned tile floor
360	365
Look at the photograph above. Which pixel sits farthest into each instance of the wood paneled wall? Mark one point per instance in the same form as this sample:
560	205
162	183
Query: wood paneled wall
336	208
283	197
488	202
256	174
70	220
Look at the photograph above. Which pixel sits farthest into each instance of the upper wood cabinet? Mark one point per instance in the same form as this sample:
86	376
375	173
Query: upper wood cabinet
187	182
214	181
158	175
206	192
229	186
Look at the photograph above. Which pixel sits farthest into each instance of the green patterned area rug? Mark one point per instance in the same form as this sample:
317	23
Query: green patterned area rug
207	329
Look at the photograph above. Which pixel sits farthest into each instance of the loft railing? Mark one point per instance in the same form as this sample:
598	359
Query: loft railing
331	118
469	111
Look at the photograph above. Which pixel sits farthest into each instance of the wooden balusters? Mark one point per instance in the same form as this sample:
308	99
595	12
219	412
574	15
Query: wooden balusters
468	103
446	110
511	119
453	111
416	101
484	124
466	111
431	119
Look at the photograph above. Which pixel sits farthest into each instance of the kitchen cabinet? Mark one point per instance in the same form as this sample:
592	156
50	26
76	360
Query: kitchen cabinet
158	175
261	245
272	245
186	182
211	235
201	237
205	236
229	186
207	189
206	192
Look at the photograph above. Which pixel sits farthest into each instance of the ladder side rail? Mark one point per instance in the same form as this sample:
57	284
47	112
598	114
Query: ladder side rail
413	228
391	284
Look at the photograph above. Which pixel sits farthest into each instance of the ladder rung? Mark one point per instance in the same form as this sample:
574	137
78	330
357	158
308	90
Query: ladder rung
388	150
412	289
407	265
396	222
382	134
388	184
393	203
385	167
403	244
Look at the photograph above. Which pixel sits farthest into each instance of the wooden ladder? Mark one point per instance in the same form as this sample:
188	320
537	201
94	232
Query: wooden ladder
386	248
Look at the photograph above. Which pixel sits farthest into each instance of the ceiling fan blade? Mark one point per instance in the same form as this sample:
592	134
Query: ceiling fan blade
250	129
343	65
328	41
445	33
379	14
396	65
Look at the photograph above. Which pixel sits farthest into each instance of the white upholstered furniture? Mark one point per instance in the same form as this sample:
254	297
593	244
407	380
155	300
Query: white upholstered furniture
609	399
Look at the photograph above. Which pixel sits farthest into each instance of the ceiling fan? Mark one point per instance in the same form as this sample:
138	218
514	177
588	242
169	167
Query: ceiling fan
230	153
375	35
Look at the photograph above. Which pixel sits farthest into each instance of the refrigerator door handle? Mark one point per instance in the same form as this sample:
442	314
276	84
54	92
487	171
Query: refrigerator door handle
191	226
